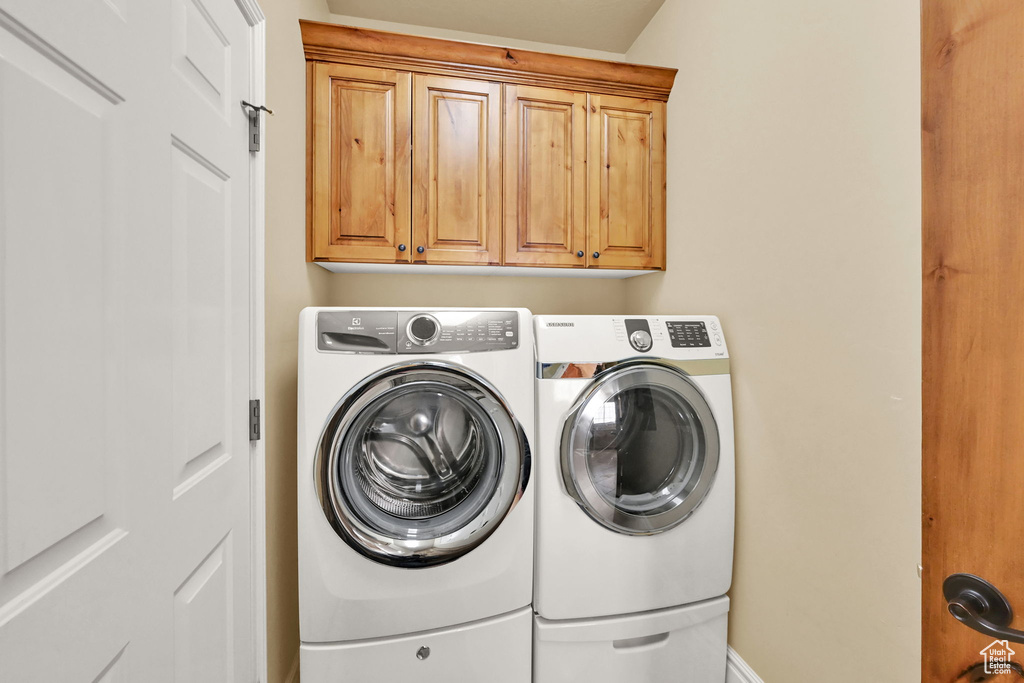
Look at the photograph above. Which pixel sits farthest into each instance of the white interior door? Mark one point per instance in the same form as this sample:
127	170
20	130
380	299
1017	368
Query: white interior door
125	530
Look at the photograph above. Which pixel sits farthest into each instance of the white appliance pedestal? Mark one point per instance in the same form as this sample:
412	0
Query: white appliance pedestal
680	644
494	650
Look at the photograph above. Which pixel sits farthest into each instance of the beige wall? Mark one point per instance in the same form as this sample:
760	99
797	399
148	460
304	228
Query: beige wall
290	286
794	214
293	284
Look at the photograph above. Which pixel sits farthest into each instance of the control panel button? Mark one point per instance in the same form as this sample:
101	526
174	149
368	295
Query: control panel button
423	330
718	340
640	340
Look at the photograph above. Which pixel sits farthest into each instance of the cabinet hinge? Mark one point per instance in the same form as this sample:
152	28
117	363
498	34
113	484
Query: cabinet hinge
254	420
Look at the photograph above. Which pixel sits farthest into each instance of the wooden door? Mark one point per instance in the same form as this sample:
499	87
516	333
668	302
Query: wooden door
626	221
125	545
545	176
361	172
456	199
973	322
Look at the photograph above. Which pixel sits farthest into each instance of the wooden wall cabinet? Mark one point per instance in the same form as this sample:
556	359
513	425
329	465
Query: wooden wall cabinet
456	170
443	153
627	182
359	150
545	177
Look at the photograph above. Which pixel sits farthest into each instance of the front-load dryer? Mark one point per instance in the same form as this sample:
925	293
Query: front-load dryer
635	498
415	517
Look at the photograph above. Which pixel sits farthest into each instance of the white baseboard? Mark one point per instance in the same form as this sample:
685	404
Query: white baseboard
738	671
293	673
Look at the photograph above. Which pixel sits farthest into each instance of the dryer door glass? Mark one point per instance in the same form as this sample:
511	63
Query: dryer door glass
640	450
421	464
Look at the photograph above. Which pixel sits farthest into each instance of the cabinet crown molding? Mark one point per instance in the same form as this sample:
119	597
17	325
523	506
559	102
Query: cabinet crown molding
350	45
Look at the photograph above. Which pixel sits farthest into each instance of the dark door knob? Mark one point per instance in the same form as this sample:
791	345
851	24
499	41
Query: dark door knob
597	254
420	250
979	605
579	253
401	247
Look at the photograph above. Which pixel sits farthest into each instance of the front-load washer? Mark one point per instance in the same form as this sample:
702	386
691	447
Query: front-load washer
635	493
415	518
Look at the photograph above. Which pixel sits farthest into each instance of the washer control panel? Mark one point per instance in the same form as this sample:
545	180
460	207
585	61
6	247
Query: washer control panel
417	332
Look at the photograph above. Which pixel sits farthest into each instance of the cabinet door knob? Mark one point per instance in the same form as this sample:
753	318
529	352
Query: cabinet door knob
401	247
579	253
420	250
597	254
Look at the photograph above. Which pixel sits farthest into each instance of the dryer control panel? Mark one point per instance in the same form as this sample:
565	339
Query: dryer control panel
417	332
653	335
688	334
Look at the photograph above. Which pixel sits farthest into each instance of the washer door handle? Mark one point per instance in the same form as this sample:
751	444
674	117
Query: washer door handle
979	605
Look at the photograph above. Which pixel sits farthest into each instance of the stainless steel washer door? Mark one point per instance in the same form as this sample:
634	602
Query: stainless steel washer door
640	448
420	463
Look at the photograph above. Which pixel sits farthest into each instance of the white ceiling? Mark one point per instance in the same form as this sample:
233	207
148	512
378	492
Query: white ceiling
610	25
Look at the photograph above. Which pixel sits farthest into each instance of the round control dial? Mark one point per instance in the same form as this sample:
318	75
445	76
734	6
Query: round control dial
640	340
423	330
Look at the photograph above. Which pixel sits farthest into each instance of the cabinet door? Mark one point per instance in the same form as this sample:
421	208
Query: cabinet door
627	183
456	201
361	171
545	206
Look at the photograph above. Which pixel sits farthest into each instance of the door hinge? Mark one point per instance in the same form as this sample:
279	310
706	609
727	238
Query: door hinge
254	131
253	112
254	420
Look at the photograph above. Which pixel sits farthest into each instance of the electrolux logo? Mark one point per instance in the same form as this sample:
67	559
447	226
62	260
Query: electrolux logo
560	324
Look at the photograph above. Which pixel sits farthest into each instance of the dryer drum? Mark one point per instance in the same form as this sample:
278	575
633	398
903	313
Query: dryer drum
420	463
644	450
640	448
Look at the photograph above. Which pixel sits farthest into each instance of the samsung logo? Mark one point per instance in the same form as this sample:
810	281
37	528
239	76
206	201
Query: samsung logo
560	324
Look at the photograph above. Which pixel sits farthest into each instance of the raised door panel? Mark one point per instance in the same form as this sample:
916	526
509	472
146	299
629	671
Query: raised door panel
545	154
360	164
627	183
456	204
207	576
67	528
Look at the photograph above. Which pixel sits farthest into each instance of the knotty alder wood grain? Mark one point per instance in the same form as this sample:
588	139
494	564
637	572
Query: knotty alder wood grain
973	318
545	176
627	182
528	161
331	42
361	163
456	201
